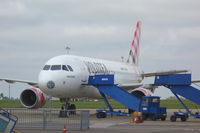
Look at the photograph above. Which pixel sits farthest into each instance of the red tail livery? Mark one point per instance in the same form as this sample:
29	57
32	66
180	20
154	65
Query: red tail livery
134	51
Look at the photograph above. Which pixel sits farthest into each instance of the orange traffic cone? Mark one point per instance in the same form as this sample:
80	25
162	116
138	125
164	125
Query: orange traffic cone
65	129
137	117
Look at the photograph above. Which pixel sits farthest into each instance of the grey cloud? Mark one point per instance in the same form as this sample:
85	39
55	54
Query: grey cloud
31	32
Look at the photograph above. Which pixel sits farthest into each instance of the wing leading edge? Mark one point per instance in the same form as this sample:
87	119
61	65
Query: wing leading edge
35	84
164	73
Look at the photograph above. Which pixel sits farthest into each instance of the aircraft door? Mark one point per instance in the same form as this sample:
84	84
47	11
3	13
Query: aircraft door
84	73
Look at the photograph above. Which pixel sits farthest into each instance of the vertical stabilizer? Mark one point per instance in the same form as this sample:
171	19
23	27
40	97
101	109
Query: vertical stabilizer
135	45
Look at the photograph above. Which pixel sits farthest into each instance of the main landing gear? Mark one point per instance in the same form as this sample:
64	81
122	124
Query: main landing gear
67	108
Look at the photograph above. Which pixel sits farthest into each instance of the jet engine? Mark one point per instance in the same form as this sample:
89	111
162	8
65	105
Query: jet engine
139	92
33	98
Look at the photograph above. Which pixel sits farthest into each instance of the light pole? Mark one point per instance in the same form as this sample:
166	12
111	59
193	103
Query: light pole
9	90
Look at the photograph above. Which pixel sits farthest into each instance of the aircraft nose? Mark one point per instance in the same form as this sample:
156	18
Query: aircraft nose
51	82
46	81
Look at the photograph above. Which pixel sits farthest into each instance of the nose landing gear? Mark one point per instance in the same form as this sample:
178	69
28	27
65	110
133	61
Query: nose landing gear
67	109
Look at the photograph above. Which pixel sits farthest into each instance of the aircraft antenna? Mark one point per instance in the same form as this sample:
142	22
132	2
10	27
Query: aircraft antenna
122	58
68	49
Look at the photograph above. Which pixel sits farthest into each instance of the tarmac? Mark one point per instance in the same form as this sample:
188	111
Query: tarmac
146	127
121	124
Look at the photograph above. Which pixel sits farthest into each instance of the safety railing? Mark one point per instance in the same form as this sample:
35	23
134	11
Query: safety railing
51	119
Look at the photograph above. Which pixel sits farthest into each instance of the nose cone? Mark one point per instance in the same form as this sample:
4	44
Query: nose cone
46	82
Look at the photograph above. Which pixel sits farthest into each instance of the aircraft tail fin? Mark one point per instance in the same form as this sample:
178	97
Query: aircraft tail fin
134	50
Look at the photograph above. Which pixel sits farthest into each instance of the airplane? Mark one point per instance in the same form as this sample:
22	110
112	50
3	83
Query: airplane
66	76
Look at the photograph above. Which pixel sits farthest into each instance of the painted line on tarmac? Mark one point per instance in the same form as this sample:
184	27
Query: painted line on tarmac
106	124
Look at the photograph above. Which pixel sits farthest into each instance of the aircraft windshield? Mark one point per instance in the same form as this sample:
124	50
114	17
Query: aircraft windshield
56	67
70	68
65	68
46	67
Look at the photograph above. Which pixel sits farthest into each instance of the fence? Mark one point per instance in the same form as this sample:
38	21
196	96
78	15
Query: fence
51	119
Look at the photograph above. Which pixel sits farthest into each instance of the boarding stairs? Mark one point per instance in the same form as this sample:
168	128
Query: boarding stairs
180	85
105	84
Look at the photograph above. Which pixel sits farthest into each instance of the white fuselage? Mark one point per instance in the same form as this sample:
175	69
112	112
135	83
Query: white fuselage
59	80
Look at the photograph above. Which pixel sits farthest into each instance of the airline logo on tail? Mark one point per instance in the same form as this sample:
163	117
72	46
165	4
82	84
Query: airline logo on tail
134	51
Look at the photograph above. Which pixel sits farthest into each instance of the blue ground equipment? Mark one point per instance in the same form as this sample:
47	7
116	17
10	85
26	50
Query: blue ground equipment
183	116
105	84
150	108
180	84
7	121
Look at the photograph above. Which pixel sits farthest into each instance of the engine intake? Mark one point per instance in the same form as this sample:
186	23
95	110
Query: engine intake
32	98
139	92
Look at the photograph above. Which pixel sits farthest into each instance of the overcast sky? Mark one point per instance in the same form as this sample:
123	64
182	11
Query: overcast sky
33	31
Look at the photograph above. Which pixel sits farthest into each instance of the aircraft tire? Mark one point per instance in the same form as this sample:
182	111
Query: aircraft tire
163	118
144	117
153	118
173	118
101	115
183	118
72	109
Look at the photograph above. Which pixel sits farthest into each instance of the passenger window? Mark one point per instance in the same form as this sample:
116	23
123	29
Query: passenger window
46	67
70	68
56	67
65	68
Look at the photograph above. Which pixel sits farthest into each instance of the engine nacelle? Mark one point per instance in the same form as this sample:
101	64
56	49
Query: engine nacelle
33	98
139	92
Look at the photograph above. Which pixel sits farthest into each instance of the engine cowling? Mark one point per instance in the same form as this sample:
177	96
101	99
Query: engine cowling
139	92
33	98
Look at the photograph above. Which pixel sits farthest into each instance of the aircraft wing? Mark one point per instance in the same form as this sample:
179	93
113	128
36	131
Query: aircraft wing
126	86
129	86
151	87
196	81
164	73
35	84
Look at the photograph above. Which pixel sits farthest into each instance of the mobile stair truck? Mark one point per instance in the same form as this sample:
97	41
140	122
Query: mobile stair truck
149	106
180	85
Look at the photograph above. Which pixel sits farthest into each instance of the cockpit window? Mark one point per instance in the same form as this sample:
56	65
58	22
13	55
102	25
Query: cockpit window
65	68
56	67
46	67
70	68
